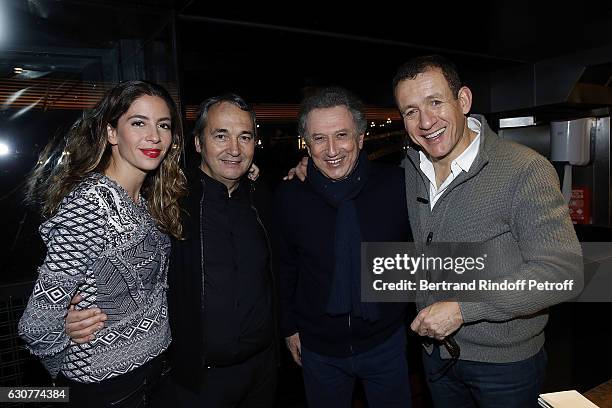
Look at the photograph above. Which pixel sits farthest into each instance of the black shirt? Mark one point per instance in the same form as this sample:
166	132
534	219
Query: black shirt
237	311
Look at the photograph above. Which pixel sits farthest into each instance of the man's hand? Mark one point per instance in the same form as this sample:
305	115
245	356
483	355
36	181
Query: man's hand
253	172
438	320
300	170
81	325
295	347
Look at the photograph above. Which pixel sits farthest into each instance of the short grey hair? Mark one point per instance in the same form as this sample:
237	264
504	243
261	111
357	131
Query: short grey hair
330	98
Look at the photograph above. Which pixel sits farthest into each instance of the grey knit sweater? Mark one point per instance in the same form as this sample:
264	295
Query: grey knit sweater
102	245
510	200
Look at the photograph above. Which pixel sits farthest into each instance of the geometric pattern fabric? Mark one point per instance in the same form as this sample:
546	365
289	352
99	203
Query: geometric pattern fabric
107	248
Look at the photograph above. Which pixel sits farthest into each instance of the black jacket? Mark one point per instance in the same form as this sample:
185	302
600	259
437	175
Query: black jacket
185	297
304	251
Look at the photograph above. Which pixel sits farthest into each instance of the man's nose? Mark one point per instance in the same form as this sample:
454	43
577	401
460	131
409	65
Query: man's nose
234	147
331	147
426	119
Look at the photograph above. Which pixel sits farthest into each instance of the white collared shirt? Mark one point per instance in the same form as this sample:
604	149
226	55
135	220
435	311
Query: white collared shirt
462	163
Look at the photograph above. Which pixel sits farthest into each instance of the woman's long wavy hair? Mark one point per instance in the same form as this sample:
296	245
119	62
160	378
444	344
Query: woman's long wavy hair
85	149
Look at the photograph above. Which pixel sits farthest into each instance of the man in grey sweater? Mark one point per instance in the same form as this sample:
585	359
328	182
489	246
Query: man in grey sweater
465	184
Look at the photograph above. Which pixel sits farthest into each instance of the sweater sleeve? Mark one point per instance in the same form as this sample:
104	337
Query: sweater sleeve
74	237
547	242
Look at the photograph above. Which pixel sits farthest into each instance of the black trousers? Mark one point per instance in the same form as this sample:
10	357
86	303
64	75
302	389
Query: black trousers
250	384
135	389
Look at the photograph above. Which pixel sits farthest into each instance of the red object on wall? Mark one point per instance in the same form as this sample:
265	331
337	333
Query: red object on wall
580	205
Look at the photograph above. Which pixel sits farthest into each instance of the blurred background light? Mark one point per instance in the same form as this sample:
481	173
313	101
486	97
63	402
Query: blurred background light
4	149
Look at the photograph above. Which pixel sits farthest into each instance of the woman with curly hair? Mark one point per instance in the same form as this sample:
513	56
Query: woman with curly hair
111	200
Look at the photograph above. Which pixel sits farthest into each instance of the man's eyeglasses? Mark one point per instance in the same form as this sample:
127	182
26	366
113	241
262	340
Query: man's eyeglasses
453	349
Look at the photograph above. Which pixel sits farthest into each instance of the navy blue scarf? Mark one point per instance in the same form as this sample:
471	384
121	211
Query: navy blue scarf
345	293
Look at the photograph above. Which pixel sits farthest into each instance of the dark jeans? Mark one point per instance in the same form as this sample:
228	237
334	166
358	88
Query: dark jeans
250	384
134	389
329	381
469	384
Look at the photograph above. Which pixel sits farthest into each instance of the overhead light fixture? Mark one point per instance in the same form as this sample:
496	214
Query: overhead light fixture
517	122
28	73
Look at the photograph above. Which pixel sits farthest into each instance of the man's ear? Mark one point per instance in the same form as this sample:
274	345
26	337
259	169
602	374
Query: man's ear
111	135
196	140
360	141
465	99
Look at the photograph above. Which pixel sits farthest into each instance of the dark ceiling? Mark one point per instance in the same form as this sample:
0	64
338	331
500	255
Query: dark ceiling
499	30
273	53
